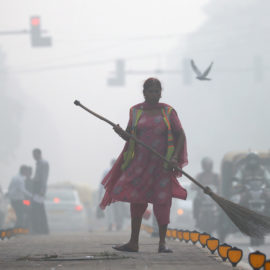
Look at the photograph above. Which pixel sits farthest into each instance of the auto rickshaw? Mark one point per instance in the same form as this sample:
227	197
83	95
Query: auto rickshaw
253	192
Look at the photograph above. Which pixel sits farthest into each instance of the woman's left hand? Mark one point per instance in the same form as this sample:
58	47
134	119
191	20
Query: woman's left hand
173	163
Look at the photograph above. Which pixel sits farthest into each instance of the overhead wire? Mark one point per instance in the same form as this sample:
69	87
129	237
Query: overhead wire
76	65
116	43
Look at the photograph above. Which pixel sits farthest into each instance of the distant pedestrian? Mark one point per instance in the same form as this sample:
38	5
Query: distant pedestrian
17	193
39	221
207	178
28	182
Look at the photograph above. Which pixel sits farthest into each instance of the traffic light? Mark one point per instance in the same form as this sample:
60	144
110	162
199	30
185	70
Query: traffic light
119	79
36	34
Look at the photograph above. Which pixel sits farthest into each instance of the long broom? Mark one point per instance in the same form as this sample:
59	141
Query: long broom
247	221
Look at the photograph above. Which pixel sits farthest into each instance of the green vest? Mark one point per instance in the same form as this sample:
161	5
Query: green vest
136	114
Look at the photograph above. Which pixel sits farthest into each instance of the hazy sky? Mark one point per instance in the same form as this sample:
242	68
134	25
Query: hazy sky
87	37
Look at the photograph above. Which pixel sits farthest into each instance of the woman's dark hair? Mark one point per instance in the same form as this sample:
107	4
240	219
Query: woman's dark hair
151	82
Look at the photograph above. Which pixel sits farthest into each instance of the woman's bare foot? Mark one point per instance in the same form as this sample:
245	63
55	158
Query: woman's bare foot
163	249
127	247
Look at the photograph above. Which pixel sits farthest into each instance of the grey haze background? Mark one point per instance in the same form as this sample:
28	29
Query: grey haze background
38	86
231	113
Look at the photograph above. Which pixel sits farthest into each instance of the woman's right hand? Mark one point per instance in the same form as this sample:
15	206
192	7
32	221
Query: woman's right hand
122	133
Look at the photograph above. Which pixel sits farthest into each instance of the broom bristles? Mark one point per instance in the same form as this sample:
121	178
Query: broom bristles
248	222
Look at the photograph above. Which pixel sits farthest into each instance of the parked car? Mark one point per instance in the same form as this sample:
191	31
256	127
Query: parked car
65	211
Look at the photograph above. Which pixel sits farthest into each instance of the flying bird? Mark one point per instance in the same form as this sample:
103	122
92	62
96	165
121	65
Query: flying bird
201	76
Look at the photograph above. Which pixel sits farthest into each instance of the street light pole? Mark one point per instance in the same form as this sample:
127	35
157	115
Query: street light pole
14	32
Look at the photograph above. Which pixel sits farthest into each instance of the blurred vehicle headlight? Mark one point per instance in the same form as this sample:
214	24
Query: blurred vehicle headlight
180	212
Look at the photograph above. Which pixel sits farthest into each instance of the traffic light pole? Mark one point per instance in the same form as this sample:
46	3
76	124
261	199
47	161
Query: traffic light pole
18	32
156	71
120	73
36	37
15	32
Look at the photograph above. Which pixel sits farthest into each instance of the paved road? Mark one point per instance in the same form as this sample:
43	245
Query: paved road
28	252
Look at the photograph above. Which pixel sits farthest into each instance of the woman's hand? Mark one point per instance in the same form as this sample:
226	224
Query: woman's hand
173	163
122	133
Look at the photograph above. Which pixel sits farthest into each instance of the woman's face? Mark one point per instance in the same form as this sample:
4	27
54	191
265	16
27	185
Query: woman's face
152	95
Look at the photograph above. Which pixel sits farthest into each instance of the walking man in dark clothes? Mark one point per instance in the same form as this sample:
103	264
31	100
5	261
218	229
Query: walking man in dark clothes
39	217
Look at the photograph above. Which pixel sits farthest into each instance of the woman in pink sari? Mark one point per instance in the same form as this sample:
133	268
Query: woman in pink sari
140	177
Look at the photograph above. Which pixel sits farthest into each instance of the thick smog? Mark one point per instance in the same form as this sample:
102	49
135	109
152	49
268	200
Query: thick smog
130	129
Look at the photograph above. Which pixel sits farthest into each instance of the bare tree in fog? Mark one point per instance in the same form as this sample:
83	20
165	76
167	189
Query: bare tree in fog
10	113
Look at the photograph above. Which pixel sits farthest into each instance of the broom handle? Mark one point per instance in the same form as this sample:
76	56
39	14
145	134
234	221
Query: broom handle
76	102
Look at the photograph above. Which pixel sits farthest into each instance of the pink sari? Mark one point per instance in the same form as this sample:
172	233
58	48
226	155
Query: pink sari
145	180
